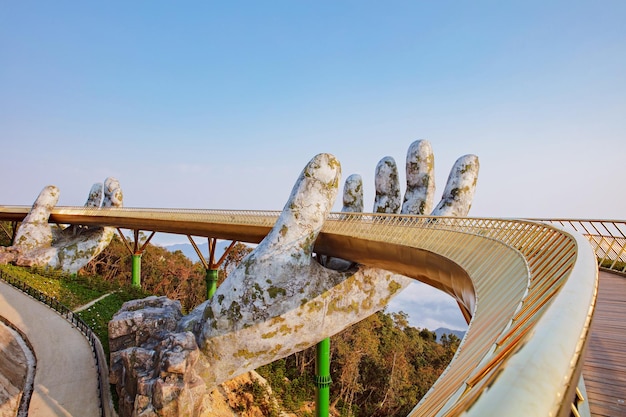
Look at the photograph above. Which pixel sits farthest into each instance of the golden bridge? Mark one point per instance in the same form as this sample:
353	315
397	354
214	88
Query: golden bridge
547	332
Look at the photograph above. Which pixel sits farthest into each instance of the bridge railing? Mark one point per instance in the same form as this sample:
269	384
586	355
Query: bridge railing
534	286
607	238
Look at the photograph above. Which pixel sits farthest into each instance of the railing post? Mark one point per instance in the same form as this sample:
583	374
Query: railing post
322	378
136	277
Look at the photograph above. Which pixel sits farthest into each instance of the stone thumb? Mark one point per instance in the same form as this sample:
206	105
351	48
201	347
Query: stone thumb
303	216
35	231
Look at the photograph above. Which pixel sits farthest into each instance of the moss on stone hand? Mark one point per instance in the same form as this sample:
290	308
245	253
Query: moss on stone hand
276	291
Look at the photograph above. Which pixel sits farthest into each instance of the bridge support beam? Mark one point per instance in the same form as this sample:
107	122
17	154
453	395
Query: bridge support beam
211	282
136	251
209	263
136	274
322	378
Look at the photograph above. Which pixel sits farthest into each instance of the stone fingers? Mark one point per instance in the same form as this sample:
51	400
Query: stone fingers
95	196
113	196
77	245
459	192
420	179
387	187
353	194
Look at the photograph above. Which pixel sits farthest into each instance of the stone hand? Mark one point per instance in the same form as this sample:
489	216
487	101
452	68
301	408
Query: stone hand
420	189
278	301
38	243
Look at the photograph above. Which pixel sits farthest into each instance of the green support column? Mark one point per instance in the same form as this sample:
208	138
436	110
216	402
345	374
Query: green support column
136	277
322	378
211	282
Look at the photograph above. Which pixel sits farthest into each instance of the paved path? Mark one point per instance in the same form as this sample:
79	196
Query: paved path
66	378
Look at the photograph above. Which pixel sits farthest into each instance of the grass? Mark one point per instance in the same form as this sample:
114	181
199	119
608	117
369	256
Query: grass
616	266
74	291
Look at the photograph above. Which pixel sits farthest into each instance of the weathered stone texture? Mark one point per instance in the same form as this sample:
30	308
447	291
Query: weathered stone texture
37	243
387	185
16	364
353	194
459	192
420	179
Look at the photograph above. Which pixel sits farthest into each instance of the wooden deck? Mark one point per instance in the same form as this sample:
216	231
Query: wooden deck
605	362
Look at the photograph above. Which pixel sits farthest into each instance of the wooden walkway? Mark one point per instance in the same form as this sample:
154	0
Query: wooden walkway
605	362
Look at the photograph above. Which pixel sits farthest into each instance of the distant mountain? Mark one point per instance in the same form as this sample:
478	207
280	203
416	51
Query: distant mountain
442	330
190	252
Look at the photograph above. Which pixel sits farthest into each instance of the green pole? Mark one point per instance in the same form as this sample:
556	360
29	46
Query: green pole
136	277
322	378
211	282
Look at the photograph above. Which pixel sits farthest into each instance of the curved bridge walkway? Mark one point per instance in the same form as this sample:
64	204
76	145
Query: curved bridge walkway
527	289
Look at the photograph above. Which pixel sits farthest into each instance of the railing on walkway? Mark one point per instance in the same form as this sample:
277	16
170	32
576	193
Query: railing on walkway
534	287
607	237
104	394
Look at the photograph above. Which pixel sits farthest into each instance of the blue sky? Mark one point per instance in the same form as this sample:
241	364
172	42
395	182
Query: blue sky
220	104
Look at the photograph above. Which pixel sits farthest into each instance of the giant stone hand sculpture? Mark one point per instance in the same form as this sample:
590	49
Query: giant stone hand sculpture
38	243
280	300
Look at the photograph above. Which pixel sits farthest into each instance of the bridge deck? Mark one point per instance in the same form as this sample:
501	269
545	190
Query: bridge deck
605	362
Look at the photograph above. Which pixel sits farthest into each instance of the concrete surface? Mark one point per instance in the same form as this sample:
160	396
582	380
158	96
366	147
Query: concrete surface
66	378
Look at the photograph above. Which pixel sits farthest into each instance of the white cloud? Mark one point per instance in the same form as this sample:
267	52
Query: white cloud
428	308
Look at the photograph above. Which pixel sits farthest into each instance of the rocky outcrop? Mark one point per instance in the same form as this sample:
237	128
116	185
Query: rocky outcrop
17	364
154	368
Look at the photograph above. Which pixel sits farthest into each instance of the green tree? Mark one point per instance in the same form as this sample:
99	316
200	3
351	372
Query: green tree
6	233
